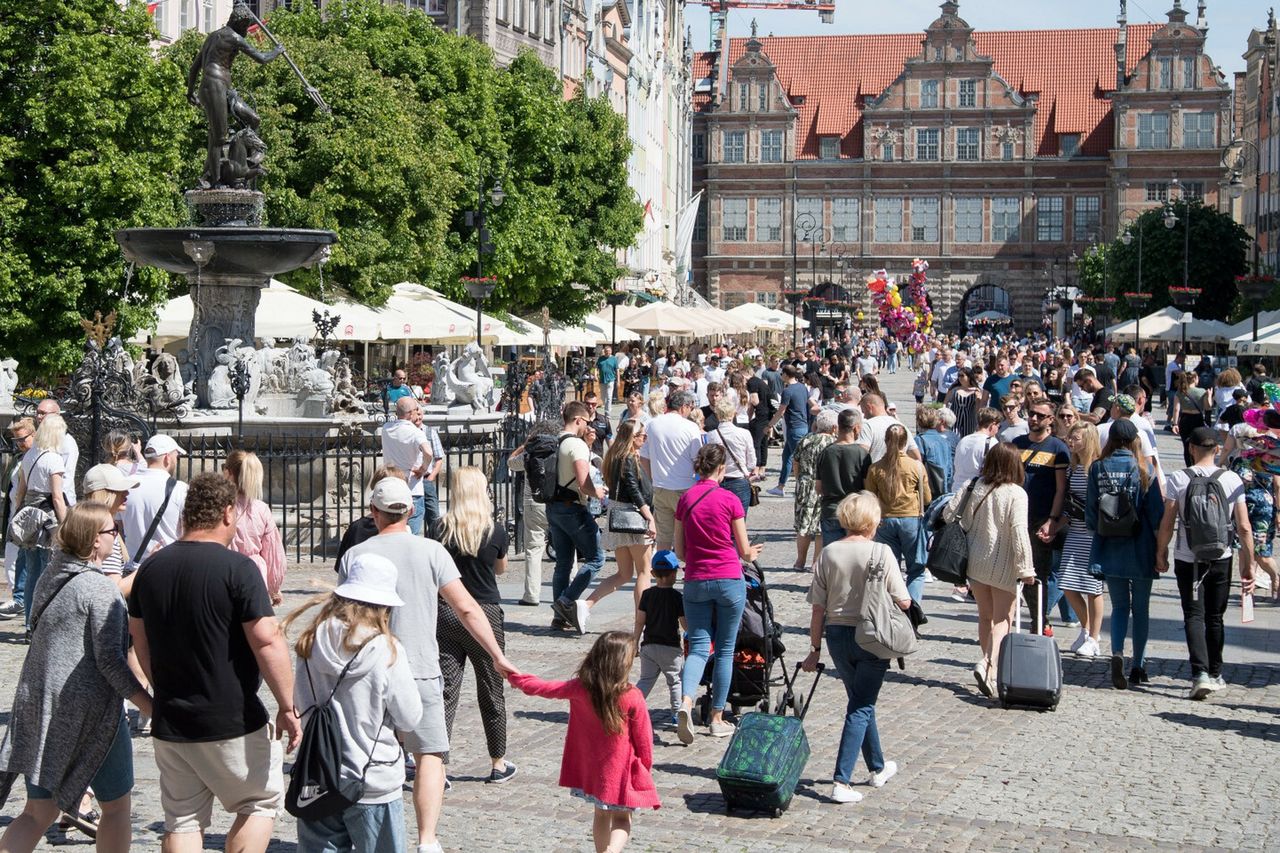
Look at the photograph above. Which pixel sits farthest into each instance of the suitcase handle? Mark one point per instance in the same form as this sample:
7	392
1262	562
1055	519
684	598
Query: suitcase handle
1017	610
817	676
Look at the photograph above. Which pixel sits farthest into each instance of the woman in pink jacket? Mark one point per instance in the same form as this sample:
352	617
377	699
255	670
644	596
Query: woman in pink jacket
608	749
257	536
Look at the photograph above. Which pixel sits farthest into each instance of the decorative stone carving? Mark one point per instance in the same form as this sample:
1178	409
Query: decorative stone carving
346	398
469	380
221	394
8	381
440	391
161	389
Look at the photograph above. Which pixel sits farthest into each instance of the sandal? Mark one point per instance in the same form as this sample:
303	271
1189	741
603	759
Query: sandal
86	822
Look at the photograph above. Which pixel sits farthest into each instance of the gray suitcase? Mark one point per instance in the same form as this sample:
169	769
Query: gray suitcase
1030	670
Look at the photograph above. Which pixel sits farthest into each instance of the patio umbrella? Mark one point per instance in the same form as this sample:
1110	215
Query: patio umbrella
662	319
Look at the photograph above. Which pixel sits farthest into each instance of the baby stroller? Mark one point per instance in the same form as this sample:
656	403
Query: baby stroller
757	650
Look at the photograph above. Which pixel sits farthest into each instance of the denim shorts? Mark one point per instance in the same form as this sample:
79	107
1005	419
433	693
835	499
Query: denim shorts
114	778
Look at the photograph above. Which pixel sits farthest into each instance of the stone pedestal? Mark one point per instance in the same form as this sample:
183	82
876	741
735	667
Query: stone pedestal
225	307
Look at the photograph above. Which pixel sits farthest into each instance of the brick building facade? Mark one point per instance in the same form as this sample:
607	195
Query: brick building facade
993	155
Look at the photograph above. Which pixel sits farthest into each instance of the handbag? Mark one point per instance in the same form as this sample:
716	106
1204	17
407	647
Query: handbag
30	527
948	557
883	629
626	518
755	490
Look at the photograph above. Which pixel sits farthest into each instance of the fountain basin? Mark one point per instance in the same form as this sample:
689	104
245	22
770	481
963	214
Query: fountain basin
227	251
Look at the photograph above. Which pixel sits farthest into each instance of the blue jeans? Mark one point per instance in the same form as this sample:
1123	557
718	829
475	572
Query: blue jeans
1054	595
114	777
789	450
862	674
905	538
832	531
430	504
415	519
706	602
741	488
575	535
363	828
1130	596
893	362
35	560
19	578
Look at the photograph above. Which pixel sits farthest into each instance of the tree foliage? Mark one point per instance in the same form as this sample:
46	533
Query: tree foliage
86	148
1214	252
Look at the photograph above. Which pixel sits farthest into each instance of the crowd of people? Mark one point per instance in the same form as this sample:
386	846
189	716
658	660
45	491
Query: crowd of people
134	586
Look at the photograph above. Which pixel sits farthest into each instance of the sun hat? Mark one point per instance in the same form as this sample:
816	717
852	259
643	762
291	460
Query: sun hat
109	478
371	578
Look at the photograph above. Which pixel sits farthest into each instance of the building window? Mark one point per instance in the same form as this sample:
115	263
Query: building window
927	143
1189	80
968	93
829	147
1198	130
968	141
1166	72
1049	219
699	147
1006	217
503	10
888	220
1157	191
924	220
1068	144
185	16
1193	190
744	96
768	220
811	208
768	299
968	220
733	220
764	97
1087	218
886	152
206	9
735	146
1153	130
1006	150
846	215
700	223
929	95
770	146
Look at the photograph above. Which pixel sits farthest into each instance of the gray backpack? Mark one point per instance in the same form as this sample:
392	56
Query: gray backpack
1206	516
883	629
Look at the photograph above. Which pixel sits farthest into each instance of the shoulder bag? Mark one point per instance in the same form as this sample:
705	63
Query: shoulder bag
948	557
884	629
755	490
33	523
625	517
155	522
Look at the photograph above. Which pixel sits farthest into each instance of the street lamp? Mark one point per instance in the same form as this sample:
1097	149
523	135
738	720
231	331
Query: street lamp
1139	302
1171	219
1184	298
616	298
1062	293
795	296
481	288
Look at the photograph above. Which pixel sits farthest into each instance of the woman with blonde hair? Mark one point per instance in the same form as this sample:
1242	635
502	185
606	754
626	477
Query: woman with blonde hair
257	536
902	485
40	478
123	450
1082	589
656	402
628	484
479	549
1227	382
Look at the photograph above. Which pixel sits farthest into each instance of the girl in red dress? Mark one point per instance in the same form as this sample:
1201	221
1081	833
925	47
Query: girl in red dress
608	748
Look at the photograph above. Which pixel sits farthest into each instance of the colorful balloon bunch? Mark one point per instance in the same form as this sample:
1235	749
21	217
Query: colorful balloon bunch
904	309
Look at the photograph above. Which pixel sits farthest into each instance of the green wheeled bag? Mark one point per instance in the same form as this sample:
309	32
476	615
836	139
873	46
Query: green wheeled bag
766	755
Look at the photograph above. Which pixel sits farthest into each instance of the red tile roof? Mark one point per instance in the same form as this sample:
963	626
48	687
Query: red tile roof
1070	70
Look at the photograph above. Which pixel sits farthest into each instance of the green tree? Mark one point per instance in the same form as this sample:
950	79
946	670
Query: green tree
86	148
1215	255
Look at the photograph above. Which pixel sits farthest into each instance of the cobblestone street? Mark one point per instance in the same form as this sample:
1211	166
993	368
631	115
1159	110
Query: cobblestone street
1115	770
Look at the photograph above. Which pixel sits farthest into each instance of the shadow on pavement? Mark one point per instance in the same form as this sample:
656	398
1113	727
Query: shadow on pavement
558	717
1263	731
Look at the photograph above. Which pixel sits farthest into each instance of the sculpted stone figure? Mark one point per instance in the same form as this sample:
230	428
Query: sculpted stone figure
469	380
440	395
8	381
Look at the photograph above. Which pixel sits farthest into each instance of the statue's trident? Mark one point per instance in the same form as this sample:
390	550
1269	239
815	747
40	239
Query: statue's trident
312	92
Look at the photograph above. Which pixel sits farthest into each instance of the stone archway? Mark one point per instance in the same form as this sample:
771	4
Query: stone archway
982	298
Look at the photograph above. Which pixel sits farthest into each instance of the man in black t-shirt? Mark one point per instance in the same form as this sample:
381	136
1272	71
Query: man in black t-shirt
1045	460
205	634
760	398
1100	406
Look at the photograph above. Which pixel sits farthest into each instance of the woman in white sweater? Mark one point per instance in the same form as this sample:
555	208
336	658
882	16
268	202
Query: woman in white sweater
999	551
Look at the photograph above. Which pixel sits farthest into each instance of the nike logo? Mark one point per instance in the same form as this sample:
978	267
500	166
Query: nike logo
310	794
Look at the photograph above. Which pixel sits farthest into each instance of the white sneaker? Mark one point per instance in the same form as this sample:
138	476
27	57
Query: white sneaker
1089	649
1079	641
890	770
843	793
1201	686
684	726
584	613
928	576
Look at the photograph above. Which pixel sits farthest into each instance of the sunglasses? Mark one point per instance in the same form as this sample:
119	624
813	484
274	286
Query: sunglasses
1066	417
1039	416
110	531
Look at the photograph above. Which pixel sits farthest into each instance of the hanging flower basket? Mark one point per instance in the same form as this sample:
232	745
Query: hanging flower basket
1185	291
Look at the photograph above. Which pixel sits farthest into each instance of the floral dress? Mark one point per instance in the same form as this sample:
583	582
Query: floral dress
806	461
1260	503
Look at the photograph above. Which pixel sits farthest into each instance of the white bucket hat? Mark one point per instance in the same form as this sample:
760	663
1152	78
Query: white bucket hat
371	578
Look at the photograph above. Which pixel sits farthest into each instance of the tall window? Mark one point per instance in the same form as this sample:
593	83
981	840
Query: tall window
534	11
768	220
1153	130
968	141
503	10
1197	130
186	9
1049	218
924	220
699	147
829	147
968	93
744	96
764	97
886	152
1006	216
771	146
1157	191
735	146
1166	72
929	95
809	207
968	220
1068	144
846	215
888	220
700	223
1189	75
1086	218
1006	150
927	143
206	13
733	220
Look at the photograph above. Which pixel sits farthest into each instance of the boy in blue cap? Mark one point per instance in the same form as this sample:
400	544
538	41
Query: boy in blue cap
659	621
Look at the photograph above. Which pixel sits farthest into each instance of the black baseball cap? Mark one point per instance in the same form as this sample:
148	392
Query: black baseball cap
1204	437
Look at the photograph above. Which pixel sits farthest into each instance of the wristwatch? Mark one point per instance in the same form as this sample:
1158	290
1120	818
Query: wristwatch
814	649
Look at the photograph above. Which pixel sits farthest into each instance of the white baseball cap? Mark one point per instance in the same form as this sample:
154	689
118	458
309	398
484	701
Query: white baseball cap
371	578
392	495
160	445
108	477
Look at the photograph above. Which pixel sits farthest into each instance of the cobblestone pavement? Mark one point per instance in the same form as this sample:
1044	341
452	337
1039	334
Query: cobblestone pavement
1134	770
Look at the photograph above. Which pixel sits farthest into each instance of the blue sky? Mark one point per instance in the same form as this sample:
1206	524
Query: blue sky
1229	20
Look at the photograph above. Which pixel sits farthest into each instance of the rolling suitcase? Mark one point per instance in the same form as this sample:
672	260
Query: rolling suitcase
766	755
1030	670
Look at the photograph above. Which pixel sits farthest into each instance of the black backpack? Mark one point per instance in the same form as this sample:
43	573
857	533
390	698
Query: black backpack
1117	516
541	469
1206	516
316	788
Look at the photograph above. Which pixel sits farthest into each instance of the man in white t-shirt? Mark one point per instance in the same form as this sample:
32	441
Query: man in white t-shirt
1123	407
714	372
940	378
667	456
1204	585
574	532
971	451
876	423
407	447
149	500
68	450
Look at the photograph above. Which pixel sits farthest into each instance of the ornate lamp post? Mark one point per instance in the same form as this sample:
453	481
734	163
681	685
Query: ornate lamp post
481	288
795	297
615	299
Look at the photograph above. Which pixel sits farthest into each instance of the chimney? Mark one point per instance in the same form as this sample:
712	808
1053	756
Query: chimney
1122	46
1202	24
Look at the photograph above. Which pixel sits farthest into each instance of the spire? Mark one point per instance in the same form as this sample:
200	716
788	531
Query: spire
1202	23
1122	46
1177	15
